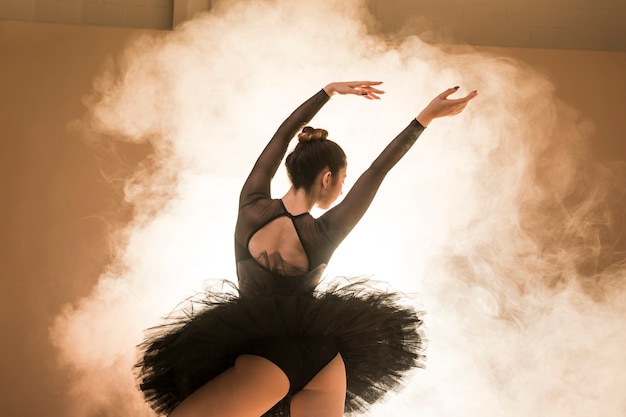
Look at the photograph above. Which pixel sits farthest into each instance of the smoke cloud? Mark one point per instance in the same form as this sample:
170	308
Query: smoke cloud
498	218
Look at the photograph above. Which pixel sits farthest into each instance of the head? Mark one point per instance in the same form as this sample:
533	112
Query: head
317	164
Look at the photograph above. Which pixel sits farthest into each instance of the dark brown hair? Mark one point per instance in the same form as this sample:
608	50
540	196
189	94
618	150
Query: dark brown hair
313	153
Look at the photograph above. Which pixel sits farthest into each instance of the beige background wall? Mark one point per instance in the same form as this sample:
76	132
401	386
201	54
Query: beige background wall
561	24
149	14
579	24
52	243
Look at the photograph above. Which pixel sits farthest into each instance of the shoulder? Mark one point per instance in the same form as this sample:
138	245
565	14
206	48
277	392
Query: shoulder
260	203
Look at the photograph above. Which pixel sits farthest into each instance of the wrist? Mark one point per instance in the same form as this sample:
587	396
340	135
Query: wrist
424	119
330	89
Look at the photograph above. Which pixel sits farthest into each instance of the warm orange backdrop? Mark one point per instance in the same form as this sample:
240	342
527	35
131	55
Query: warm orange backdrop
52	244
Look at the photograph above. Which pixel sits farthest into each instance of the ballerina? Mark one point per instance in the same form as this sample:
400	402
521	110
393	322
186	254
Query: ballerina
282	346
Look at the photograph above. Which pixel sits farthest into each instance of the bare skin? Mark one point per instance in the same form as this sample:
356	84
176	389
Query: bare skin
325	394
249	388
254	384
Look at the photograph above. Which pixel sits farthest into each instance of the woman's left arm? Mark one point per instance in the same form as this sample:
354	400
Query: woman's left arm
258	182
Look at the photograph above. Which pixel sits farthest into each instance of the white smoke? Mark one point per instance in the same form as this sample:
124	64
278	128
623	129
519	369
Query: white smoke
497	218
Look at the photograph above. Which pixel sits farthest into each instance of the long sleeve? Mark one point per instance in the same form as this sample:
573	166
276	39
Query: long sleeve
258	183
340	220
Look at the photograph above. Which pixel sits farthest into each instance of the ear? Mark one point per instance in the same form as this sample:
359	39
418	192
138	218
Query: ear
326	179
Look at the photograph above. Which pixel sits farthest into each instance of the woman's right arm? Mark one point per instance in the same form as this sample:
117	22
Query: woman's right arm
340	220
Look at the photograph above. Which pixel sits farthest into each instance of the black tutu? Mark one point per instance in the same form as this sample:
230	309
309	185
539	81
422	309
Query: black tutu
378	338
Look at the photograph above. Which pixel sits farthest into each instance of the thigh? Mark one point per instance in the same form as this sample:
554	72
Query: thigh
324	395
248	389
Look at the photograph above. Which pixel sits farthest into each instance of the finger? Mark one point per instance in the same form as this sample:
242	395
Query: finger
448	92
368	92
363	84
369	95
358	83
453	102
465	99
471	95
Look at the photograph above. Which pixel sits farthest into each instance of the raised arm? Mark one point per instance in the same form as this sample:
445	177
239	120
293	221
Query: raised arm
258	182
340	220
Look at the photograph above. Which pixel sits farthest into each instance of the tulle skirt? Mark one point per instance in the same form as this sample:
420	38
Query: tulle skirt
378	337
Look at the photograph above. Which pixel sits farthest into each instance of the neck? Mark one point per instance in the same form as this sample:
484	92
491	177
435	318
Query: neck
298	201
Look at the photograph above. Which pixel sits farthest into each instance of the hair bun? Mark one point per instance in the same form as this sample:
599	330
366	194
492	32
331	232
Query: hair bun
309	133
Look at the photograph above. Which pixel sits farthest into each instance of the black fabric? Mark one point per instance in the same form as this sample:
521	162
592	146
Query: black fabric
300	357
377	337
290	320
